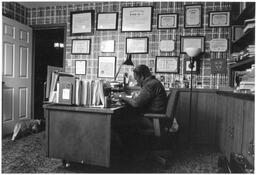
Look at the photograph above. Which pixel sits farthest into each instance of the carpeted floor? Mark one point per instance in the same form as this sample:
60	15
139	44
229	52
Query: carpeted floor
26	155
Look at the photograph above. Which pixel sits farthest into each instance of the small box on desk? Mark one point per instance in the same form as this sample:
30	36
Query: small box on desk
67	90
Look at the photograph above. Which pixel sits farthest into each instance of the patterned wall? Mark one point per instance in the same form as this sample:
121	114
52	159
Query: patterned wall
61	14
15	11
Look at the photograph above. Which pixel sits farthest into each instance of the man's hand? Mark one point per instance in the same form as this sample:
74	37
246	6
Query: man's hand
119	95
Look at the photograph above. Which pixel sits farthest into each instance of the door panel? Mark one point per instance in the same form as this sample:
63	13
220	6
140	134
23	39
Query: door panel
8	30
23	102
8	96
17	70
23	61
8	59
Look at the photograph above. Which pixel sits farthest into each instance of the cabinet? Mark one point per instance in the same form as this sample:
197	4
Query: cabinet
235	125
242	43
80	134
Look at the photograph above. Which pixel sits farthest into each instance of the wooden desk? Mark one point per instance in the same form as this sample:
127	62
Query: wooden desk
79	134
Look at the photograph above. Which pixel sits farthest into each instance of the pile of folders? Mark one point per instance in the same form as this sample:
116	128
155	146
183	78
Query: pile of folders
67	89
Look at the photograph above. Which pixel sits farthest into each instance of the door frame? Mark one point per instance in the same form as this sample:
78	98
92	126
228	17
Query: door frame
44	27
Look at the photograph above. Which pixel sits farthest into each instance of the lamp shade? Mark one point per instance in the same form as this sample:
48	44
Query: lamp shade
192	51
128	60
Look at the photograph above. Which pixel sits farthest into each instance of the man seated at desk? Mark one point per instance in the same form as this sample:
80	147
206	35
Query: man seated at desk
152	98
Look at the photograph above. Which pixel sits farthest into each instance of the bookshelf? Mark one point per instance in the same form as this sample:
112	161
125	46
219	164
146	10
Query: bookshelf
242	12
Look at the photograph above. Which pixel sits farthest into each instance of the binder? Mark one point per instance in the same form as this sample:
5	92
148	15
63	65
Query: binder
50	70
68	83
65	92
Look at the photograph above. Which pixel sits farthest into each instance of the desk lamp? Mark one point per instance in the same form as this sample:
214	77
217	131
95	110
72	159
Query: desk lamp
127	62
192	52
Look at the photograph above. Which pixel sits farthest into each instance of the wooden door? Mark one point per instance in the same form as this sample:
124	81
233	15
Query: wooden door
16	73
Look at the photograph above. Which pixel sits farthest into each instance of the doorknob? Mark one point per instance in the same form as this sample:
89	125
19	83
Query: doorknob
3	82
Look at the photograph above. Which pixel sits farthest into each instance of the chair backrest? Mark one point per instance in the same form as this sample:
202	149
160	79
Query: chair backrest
171	104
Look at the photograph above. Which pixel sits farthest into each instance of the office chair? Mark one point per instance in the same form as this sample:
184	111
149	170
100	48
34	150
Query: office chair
161	135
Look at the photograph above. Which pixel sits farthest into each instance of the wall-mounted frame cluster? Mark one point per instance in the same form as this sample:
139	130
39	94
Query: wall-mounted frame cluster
140	19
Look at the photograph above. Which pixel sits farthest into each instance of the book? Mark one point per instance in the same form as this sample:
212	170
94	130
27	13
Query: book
50	69
65	92
69	80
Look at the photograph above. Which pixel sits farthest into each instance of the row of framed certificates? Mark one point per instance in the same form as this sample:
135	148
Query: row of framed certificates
162	64
139	19
107	66
140	45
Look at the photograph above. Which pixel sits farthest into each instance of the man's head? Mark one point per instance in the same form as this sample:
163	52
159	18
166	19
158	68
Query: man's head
141	72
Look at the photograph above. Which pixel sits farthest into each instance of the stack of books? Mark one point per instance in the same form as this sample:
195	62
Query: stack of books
251	50
249	24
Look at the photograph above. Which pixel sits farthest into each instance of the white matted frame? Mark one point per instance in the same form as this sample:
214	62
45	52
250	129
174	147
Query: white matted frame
82	22
107	46
81	47
219	19
80	67
137	19
191	41
167	21
136	45
106	66
167	64
107	21
193	16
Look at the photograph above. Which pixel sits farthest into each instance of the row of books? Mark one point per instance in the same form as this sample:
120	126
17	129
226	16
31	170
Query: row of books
248	52
70	90
248	24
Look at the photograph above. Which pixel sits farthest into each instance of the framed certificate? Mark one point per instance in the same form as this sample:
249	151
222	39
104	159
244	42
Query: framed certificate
167	64
191	41
106	66
167	45
81	46
137	45
219	45
219	19
136	19
167	21
193	16
80	67
82	22
107	21
107	46
218	66
187	69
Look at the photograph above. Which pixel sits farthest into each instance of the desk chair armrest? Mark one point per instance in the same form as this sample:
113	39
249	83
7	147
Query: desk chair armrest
156	122
154	115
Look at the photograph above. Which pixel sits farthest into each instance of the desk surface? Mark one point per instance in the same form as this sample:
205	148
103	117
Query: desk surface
94	109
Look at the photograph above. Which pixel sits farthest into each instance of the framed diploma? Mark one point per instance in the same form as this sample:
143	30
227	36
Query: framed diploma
106	66
82	22
167	64
167	45
218	66
167	21
80	67
219	45
219	19
193	16
137	45
107	46
107	21
81	46
187	69
191	41
136	19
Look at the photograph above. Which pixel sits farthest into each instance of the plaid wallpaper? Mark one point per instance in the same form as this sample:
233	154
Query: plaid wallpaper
61	14
15	11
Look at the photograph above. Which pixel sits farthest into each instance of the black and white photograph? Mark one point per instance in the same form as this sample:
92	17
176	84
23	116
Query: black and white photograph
127	87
